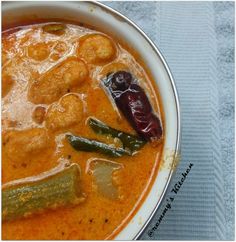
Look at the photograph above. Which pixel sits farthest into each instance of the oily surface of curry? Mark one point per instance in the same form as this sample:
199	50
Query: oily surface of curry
51	86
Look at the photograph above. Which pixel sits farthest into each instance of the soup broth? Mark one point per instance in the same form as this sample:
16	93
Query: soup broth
52	85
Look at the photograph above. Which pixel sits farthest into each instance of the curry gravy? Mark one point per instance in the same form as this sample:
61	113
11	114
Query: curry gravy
33	64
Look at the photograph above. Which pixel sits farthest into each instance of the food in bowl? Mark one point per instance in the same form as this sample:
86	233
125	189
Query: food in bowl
82	132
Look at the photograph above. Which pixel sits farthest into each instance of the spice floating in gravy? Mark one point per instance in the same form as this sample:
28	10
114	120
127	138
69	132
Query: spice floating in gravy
134	104
129	141
83	144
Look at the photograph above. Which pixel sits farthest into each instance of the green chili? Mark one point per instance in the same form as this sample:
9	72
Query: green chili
132	142
83	144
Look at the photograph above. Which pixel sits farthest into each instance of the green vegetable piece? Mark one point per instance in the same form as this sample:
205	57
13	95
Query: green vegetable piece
83	144
132	142
57	190
57	29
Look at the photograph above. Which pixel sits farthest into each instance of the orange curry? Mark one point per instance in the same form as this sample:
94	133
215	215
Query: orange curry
52	87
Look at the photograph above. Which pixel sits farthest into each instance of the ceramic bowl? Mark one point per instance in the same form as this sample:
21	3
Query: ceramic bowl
117	25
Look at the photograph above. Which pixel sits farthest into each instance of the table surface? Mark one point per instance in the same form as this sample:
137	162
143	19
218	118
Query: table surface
224	33
224	27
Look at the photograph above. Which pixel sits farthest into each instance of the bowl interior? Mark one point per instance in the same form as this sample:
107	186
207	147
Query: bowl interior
123	30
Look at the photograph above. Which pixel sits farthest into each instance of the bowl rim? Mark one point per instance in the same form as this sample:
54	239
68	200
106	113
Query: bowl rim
176	154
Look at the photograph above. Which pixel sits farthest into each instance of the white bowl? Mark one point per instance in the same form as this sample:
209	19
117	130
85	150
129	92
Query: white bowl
117	25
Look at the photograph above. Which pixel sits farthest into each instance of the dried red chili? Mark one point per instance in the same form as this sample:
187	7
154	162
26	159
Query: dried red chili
132	101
